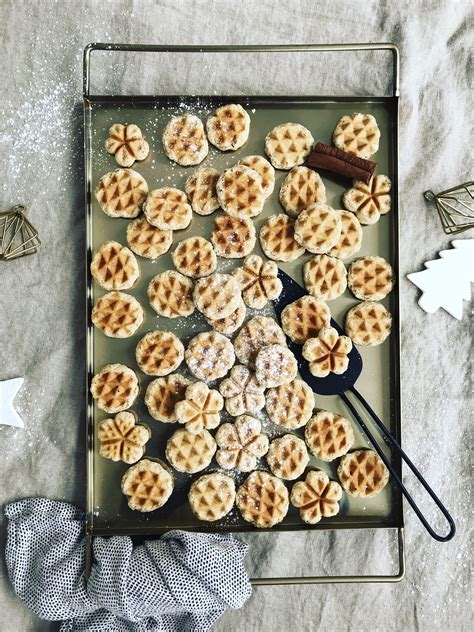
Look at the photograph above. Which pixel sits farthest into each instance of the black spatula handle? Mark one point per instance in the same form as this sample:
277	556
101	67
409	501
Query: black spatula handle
393	443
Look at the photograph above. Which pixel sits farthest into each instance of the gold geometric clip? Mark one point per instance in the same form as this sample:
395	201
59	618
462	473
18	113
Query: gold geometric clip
18	237
455	207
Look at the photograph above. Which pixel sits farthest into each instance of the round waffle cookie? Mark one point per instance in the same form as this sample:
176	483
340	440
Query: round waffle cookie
228	128
288	145
200	188
209	356
229	324
217	295
277	238
369	201
287	457
148	485
212	496
200	409
121	193
114	388
163	394
159	353
362	474
275	365
258	332
316	497
262	500
328	436
325	277
195	257
259	282
122	439
167	208
290	405
264	170
117	314
147	240
368	323
370	278
233	237
188	452
350	240
301	188
357	134
318	228
184	140
304	318
327	353
171	294
127	144
242	393
241	444
240	192
114	266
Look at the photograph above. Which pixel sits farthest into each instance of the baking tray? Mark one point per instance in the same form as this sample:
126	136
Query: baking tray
107	509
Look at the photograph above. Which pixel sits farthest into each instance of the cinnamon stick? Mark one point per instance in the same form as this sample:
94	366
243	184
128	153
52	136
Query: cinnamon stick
341	162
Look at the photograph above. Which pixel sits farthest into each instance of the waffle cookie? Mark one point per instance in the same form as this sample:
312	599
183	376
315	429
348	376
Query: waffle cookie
147	240
188	452
277	238
288	145
368	201
241	444
325	277
275	365
350	240
117	315
240	192
368	324
200	188
212	496
217	295
304	318
121	193
171	294
259	332
159	353
228	128
362	474
370	278
127	144
241	391
262	500
200	409
229	324
318	228
163	394
328	436
301	188
264	170
122	439
316	497
290	405
195	257
327	353
233	237
114	388
167	208
258	280
147	485
209	356
184	140
114	267
357	134
287	457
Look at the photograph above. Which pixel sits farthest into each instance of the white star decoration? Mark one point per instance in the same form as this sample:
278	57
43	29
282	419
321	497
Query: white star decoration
8	391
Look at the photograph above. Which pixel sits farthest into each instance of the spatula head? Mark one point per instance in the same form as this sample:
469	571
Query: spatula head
332	384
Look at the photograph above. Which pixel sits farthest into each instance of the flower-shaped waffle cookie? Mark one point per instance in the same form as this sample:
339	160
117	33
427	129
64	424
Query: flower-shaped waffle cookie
368	323
264	170
275	365
241	391
240	192
287	145
184	140
117	314
209	356
121	193
262	500
201	190
327	353
290	405
163	394
115	388
200	409
357	134
159	353
195	257
148	485
188	452
304	318
329	436
171	294
241	444
233	237
228	128
168	209
258	332
212	496
147	240
362	473
259	282
287	457
369	201
122	439
316	497
300	188
126	142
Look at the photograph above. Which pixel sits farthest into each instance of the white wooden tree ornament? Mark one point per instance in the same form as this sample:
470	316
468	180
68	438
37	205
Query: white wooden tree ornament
446	282
8	391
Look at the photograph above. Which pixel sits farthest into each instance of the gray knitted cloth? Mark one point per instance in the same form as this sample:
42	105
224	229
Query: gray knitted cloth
180	583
